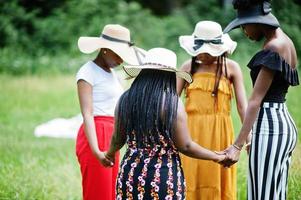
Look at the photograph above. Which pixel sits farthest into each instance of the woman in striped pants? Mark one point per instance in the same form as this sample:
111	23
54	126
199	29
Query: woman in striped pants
274	134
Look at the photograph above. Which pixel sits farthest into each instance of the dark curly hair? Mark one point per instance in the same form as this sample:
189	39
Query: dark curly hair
244	4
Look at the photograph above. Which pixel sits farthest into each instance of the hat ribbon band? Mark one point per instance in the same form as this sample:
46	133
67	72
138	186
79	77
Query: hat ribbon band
138	53
158	64
200	42
117	40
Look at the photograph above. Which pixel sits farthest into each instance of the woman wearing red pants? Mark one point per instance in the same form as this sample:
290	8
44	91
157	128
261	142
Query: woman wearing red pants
99	91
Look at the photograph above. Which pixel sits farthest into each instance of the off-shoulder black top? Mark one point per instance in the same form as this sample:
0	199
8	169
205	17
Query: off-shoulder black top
284	77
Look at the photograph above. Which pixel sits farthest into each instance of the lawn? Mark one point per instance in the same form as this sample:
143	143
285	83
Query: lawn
46	168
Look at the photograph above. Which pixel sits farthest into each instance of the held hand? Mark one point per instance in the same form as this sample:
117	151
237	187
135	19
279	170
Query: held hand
248	143
103	159
233	156
110	156
220	157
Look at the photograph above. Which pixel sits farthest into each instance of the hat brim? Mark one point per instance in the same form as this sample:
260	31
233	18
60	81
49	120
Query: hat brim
128	53
268	19
187	43
133	71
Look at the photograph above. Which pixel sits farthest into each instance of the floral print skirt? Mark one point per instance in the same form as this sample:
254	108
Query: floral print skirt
151	174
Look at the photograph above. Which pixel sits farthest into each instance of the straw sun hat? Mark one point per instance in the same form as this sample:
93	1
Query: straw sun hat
207	37
158	59
116	38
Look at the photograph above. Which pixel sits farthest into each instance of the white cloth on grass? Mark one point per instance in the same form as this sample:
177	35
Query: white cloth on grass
59	127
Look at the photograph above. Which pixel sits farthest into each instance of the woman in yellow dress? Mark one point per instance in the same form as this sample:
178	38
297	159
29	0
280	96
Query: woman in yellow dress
208	105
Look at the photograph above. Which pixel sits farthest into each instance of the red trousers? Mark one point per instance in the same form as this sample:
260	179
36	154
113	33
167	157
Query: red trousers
98	182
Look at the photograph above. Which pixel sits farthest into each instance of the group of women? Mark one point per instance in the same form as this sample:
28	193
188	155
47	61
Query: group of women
187	151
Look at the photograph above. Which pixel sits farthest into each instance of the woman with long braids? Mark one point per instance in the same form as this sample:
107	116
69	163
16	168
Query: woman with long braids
208	105
152	121
273	71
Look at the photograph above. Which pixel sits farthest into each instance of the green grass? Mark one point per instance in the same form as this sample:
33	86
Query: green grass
43	168
36	168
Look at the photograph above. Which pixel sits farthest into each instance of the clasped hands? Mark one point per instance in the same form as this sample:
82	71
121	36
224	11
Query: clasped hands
106	159
232	154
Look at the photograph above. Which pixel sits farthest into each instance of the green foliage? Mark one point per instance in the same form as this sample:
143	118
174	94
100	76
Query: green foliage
288	14
42	38
52	45
15	25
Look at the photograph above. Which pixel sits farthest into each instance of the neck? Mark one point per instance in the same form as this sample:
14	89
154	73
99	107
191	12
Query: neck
269	34
100	61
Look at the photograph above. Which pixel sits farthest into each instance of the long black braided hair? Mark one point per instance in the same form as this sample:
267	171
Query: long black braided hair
149	106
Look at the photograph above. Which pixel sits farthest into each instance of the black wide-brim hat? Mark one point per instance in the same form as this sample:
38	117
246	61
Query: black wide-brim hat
257	14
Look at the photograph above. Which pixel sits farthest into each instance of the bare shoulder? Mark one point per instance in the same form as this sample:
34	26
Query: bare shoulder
232	64
274	45
186	66
284	46
233	67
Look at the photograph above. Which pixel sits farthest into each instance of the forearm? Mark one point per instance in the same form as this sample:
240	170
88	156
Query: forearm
194	150
117	143
90	132
248	122
241	113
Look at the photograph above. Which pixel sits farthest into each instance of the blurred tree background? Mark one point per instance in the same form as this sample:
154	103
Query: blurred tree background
40	36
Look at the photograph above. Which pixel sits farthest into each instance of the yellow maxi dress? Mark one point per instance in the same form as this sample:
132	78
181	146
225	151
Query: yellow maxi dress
210	125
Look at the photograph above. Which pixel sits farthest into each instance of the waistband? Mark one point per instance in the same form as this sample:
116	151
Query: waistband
103	117
273	105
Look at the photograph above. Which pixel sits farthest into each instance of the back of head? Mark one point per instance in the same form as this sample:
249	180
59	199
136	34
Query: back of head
149	107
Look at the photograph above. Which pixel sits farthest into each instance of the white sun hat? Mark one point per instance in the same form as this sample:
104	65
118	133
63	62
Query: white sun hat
207	37
158	59
116	38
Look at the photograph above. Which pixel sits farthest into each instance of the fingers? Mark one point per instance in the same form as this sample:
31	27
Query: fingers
107	163
220	152
248	147
228	161
104	160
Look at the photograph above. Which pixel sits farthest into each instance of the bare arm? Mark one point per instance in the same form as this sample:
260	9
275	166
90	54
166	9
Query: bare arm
118	138
84	90
239	89
184	143
262	84
181	82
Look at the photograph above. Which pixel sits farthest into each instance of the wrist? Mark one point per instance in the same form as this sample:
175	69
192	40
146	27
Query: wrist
109	154
239	143
215	157
238	146
96	151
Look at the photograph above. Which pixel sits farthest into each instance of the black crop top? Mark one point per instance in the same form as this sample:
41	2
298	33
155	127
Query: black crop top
284	77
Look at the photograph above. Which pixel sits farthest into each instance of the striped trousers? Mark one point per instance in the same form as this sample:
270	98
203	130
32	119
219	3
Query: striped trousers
274	139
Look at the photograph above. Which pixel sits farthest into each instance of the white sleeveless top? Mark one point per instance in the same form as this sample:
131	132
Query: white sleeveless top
106	88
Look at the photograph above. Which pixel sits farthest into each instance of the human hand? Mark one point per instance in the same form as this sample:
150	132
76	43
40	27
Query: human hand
101	156
248	143
232	156
110	156
220	156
